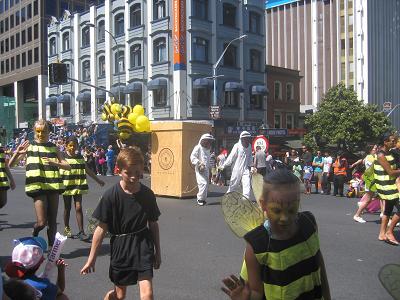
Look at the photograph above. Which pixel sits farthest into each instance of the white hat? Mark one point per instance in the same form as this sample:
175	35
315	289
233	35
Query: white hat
245	134
206	136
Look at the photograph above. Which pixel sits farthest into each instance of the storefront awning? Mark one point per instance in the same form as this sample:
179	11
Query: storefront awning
203	83
83	97
65	98
100	94
133	87
116	90
157	84
259	90
232	86
51	100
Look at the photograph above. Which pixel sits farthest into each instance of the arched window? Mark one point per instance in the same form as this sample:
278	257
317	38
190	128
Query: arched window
159	9
160	50
135	15
277	90
200	49
255	60
289	91
102	66
119	62
101	34
254	22
53	49
65	41
86	70
136	55
119	24
85	37
229	15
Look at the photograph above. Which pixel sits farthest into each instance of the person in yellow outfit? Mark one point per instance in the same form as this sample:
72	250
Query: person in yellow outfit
75	186
43	180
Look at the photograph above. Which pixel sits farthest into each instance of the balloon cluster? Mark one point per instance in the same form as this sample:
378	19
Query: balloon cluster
125	118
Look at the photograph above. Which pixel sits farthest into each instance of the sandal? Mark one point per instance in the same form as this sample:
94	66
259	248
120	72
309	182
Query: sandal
391	242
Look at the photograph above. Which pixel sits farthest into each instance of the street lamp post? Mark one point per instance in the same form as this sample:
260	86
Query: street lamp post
116	43
216	65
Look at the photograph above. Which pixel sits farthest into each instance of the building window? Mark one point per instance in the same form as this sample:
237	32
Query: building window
200	49
136	15
85	37
119	24
232	99
6	24
36	31
200	9
201	97
7	45
229	15
289	121
2	47
255	60
17	62
23	15
277	120
84	107
12	42
65	39
278	90
12	63
86	70
35	7
1	26
254	23
17	40
17	18
29	57
101	33
119	62
66	107
135	98
136	56
159	9
2	67
52	44
29	11
53	110
102	66
160	50
29	32
160	97
289	92
12	21
23	58
256	101
230	56
7	66
36	55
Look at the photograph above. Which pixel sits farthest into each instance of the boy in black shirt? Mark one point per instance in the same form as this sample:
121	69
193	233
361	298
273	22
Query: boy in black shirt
129	211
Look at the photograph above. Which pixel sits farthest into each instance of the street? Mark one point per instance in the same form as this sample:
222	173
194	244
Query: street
198	248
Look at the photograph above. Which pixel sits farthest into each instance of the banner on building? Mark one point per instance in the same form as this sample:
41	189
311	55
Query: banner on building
179	34
276	3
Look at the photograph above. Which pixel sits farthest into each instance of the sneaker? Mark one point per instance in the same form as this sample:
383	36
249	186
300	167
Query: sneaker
381	215
82	236
98	174
67	232
322	192
201	202
359	219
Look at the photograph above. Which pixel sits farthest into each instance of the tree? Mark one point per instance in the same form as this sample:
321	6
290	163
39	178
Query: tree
345	121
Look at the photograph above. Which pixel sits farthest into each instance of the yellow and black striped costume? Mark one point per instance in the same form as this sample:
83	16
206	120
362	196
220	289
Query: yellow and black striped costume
75	180
290	268
385	184
40	178
4	184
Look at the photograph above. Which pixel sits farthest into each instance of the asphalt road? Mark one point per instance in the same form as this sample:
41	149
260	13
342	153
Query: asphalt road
198	249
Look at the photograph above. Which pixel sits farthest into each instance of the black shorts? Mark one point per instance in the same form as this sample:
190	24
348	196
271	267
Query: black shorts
129	277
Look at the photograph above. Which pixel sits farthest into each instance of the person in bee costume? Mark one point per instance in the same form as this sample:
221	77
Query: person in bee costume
43	180
75	186
200	158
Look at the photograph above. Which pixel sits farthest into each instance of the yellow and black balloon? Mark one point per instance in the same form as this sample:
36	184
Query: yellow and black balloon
126	118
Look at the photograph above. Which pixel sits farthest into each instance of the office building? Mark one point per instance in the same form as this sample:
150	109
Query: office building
330	41
162	57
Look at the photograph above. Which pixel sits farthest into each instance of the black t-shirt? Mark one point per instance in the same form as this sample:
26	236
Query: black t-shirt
396	155
127	216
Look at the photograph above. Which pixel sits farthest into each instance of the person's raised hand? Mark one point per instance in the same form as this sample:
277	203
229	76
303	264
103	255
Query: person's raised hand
235	288
22	148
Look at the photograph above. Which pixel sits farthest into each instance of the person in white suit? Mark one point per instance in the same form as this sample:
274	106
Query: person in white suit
242	161
200	158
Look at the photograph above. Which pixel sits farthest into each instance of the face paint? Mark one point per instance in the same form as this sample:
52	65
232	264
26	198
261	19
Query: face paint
41	134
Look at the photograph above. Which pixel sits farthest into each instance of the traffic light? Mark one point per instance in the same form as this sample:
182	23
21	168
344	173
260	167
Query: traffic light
58	73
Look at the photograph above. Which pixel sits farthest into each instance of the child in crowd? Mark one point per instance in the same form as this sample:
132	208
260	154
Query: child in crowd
129	211
307	176
75	186
355	185
6	179
43	180
27	256
283	255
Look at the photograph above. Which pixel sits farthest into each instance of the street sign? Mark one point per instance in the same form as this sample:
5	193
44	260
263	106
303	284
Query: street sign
215	112
387	106
277	132
261	141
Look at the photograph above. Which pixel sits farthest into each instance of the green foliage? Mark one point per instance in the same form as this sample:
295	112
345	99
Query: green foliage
345	121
